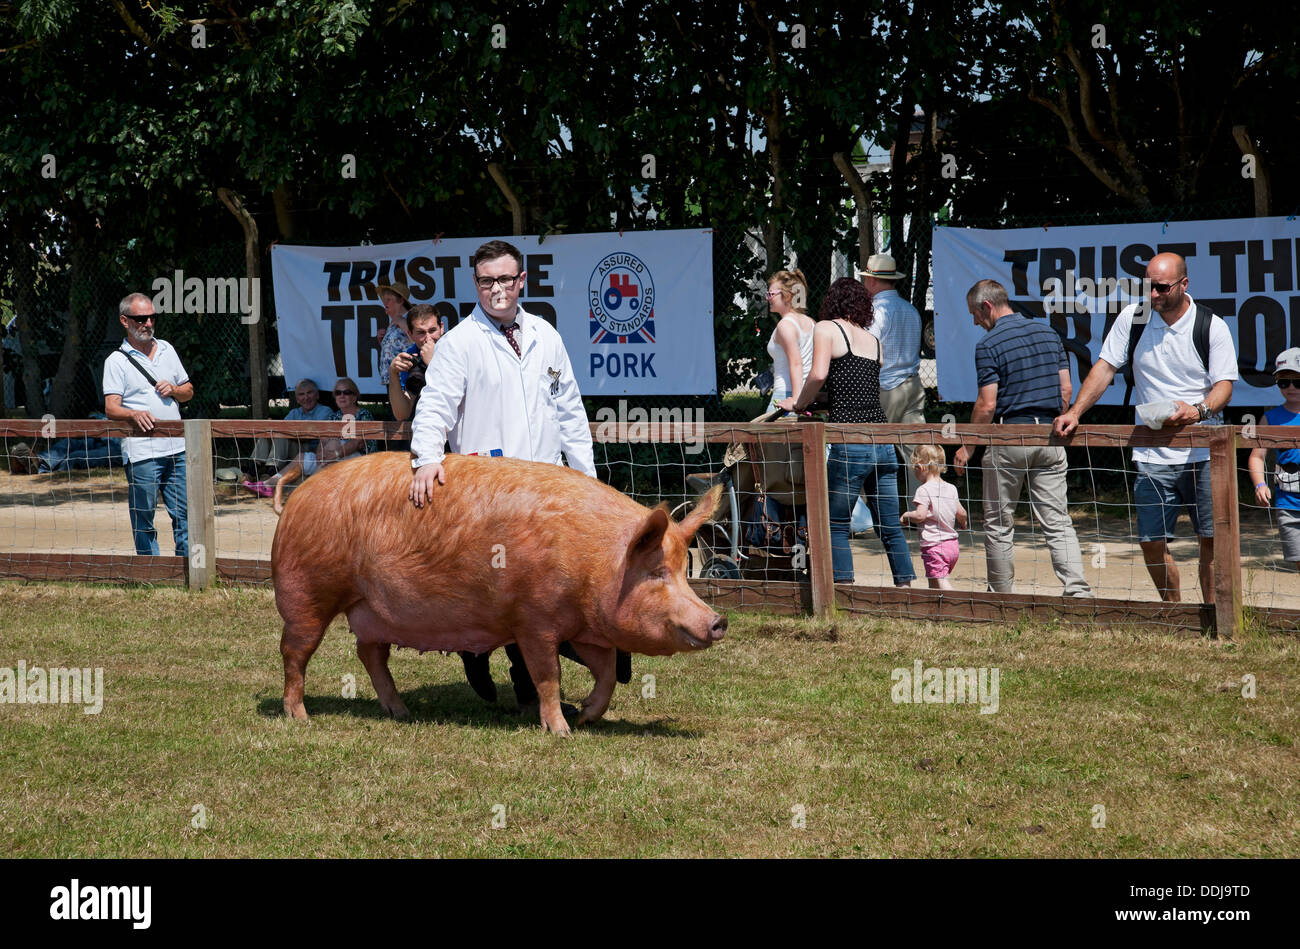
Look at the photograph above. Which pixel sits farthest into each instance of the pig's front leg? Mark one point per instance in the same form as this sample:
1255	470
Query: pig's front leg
543	662
600	660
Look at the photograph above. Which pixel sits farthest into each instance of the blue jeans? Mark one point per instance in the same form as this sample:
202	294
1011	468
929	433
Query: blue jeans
871	470
79	453
143	478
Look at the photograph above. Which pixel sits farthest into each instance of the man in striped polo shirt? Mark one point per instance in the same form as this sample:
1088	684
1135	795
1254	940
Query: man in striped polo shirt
1024	378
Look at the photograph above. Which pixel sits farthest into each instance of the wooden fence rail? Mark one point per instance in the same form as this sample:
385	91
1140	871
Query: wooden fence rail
821	595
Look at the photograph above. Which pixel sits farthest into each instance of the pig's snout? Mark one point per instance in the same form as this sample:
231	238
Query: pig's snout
703	637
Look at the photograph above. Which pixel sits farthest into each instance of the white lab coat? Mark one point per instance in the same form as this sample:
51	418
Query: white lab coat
480	396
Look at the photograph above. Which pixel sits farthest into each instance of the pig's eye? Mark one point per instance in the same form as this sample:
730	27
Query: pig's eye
661	574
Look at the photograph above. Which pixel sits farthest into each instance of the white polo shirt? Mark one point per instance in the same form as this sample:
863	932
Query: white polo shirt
125	380
1167	366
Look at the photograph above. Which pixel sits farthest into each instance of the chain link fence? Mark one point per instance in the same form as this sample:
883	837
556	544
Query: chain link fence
213	341
199	298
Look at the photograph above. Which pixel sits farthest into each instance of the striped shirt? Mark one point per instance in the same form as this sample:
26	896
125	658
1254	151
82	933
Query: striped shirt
1024	359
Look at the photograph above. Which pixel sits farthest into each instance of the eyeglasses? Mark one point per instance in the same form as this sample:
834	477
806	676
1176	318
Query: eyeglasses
345	391
144	319
1166	287
487	283
1288	383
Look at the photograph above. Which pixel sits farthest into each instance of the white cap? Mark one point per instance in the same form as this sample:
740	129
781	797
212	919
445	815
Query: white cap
1288	360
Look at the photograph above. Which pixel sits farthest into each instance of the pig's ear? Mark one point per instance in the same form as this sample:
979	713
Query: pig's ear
703	511
650	535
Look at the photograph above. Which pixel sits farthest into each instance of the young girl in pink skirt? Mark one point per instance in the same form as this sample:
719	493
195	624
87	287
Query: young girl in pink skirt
939	513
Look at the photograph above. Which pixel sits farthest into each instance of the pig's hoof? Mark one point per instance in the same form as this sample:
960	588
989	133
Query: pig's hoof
590	715
561	729
398	710
296	710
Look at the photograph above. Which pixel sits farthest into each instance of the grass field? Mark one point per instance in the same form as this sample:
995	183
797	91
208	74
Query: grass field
786	722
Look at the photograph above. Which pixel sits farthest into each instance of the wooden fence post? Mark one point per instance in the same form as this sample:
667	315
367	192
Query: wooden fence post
1227	531
820	567
201	567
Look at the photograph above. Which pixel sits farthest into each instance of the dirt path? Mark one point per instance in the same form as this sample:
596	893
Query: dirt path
86	512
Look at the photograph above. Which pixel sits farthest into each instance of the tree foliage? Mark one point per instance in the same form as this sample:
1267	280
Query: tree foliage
346	120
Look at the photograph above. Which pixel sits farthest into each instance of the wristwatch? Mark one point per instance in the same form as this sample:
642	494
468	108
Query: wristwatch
1203	410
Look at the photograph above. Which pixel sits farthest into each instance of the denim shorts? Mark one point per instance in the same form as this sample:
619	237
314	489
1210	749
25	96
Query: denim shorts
1161	493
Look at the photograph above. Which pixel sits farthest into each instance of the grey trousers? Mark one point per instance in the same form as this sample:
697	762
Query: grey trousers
1006	469
280	451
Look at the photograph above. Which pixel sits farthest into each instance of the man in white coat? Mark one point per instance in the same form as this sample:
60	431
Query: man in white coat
500	383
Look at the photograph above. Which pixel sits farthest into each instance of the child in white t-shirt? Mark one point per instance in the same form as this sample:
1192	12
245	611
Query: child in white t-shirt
939	512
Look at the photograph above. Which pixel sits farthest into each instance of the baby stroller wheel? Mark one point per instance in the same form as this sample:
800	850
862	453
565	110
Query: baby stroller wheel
720	568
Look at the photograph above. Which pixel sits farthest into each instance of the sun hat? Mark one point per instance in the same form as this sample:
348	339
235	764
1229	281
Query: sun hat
397	287
880	266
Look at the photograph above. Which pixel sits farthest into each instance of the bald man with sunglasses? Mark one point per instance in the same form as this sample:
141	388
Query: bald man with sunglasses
1167	367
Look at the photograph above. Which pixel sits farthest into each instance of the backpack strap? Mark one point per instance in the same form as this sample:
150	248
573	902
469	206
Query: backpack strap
1201	334
1135	331
1200	338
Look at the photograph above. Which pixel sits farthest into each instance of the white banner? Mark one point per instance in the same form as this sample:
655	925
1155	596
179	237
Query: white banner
635	310
1243	269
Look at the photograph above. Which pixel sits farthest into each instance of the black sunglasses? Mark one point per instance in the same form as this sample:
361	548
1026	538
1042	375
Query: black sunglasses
1165	287
345	391
1288	383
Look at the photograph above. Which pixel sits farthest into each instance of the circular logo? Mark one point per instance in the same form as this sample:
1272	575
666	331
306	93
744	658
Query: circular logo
621	294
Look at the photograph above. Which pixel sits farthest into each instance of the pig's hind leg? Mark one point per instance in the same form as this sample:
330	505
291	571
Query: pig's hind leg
600	660
297	644
374	656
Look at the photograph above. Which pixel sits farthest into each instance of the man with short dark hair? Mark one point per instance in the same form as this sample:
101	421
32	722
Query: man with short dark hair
1024	379
1170	373
144	382
500	384
406	373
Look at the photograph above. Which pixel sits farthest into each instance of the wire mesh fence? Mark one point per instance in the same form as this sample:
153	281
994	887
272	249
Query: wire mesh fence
785	508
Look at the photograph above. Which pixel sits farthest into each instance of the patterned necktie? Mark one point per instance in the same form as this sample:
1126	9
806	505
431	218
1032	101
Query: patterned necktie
510	335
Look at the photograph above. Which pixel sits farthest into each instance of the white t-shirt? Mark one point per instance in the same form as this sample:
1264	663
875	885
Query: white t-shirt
125	380
941	525
1167	366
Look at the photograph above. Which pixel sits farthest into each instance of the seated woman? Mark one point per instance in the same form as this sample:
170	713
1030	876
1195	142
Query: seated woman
846	359
791	344
329	451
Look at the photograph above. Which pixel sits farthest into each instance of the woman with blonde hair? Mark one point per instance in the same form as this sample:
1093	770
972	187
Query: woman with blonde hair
791	345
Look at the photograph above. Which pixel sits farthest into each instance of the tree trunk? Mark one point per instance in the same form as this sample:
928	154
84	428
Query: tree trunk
65	400
25	308
921	223
898	174
284	217
862	202
259	382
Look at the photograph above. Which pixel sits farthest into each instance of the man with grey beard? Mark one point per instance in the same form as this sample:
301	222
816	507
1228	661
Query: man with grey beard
144	382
